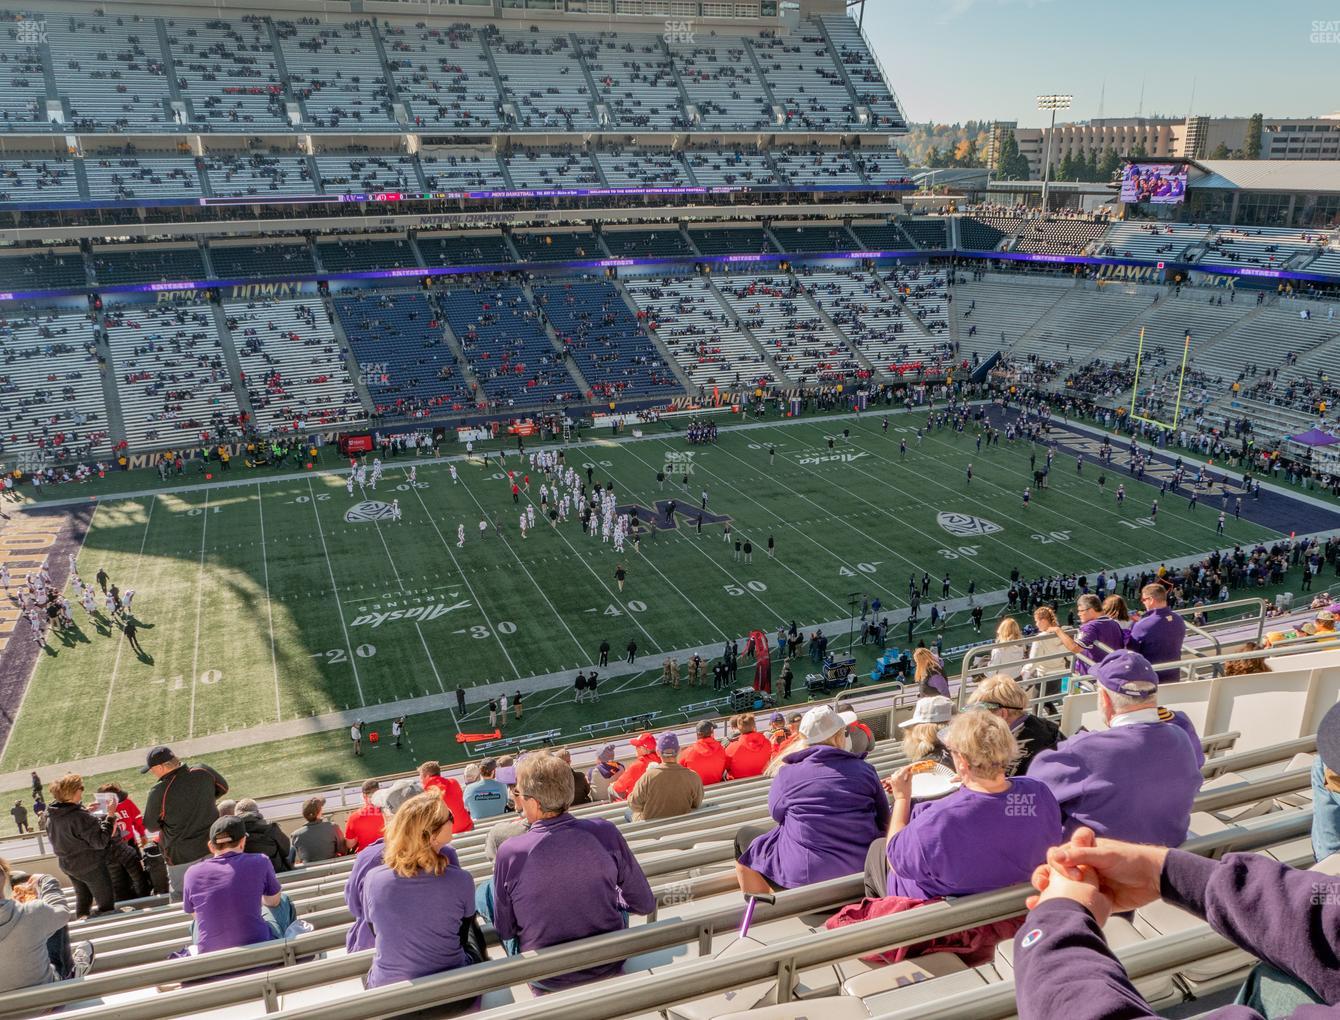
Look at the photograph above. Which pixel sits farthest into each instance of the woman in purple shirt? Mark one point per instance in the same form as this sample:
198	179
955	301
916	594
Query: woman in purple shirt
417	904
990	833
930	674
1098	635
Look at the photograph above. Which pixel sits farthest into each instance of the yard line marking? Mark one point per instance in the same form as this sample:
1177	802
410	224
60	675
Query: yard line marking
199	603
581	652
468	586
797	529
270	608
997	539
1054	513
868	538
601	581
116	663
725	570
335	590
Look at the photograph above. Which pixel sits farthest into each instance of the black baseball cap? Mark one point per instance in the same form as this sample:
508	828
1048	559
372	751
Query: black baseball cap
160	755
227	830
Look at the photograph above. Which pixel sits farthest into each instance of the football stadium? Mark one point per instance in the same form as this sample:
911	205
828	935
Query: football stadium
767	556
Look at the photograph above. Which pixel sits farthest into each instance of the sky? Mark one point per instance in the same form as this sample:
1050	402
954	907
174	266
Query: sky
956	60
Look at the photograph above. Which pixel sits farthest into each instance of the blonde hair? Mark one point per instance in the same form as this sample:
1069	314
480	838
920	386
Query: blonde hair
1115	607
1045	613
984	742
926	663
1008	630
66	789
409	836
921	741
1002	690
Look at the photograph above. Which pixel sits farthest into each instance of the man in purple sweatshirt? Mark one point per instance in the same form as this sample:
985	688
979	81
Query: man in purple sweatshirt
1290	919
1137	778
565	878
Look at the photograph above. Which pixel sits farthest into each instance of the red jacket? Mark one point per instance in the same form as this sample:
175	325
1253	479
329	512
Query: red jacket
748	755
129	820
623	786
455	798
364	827
707	758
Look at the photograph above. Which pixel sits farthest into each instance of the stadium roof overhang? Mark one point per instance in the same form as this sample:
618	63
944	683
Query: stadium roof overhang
1305	176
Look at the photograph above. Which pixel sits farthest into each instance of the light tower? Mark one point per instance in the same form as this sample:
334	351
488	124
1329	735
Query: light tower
1053	103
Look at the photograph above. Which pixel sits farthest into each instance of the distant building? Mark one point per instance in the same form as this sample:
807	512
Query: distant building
1168	138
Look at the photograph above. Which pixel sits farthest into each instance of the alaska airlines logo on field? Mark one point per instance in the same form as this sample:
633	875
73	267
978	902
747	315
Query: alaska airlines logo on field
827	458
369	510
421	614
965	525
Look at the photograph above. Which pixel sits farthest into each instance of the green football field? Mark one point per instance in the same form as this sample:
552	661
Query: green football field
260	603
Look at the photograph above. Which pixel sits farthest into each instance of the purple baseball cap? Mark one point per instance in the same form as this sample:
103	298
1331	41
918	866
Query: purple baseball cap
668	744
1129	673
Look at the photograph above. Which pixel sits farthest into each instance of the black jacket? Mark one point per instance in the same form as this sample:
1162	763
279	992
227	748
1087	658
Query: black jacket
79	839
266	838
1035	735
181	807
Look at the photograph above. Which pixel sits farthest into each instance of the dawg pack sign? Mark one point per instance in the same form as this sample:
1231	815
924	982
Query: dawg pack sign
965	525
369	510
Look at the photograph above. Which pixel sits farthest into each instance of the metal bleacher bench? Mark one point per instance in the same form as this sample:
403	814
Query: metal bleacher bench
712	707
629	722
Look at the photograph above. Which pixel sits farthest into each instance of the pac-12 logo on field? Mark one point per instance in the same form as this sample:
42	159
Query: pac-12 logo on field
965	525
369	510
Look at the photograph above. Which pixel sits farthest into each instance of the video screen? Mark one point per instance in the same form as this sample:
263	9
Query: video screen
1157	183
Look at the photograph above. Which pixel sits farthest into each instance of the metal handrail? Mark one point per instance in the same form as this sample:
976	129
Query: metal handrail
639	993
674	931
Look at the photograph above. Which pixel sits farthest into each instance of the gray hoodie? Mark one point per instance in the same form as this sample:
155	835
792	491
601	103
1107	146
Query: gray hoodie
24	930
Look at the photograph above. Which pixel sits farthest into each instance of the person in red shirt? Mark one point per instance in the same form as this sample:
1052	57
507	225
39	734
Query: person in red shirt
366	825
129	821
645	746
749	753
706	757
430	775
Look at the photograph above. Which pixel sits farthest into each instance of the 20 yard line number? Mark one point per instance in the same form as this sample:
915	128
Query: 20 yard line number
334	656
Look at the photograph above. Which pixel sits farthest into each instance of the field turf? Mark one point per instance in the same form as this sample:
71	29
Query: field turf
260	603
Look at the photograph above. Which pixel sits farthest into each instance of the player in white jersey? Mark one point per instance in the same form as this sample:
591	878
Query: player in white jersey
4	577
413	474
349	486
35	622
90	604
460	536
395	509
126	597
110	604
522	521
452	469
530	515
73	569
483	527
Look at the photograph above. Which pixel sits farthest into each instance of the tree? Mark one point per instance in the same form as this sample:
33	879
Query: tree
1138	151
1010	162
1090	172
1108	165
1221	152
1066	170
1251	146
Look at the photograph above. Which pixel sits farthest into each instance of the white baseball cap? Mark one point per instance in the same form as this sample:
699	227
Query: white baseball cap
818	724
938	709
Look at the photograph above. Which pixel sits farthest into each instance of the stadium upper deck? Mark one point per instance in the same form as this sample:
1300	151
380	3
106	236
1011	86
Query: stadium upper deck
265	72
